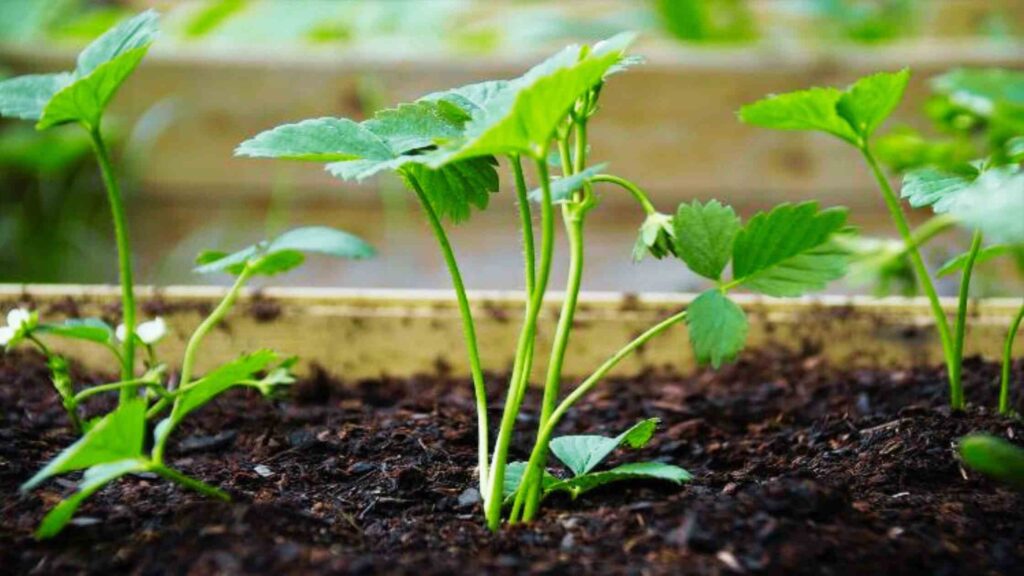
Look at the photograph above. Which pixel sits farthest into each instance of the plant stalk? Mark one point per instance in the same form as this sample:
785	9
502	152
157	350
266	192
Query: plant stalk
524	353
189	482
534	465
630	187
124	258
956	387
468	332
1004	385
917	261
526	222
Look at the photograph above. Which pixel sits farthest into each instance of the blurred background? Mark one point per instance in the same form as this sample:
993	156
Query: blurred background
225	70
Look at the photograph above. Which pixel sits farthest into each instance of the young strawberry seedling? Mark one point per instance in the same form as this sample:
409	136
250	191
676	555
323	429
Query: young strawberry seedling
111	446
446	147
986	196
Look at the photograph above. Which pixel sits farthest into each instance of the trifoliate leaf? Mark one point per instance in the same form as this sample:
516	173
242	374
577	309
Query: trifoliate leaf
985	254
25	97
285	252
117	436
91	329
704	235
717	328
563	188
790	251
95	478
994	457
812	110
514	477
871	100
583	452
981	90
634	471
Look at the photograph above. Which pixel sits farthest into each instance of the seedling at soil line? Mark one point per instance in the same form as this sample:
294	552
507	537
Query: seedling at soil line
112	445
446	145
994	457
985	196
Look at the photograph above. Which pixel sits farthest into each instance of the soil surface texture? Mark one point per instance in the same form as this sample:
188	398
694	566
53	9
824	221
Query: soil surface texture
799	468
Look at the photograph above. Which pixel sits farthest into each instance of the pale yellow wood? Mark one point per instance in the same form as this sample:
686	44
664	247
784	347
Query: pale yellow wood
356	334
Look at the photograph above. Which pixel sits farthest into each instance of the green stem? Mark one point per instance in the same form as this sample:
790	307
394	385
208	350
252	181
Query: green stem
124	258
468	331
900	220
539	454
191	350
189	482
630	187
526	221
524	353
1004	386
956	387
94	390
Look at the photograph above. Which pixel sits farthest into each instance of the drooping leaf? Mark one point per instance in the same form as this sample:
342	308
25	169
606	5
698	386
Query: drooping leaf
583	452
985	254
514	477
704	235
717	328
871	100
117	436
810	110
455	188
286	251
563	188
994	457
95	477
633	471
25	96
522	117
91	329
789	250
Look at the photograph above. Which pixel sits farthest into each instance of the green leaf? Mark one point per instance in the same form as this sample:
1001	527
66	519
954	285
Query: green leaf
95	477
981	90
286	251
25	96
1015	149
136	32
717	328
985	254
563	188
633	471
994	205
91	329
936	188
871	100
514	477
811	110
317	140
522	117
85	99
583	452
472	98
994	457
116	436
416	126
704	235
224	377
790	251
454	189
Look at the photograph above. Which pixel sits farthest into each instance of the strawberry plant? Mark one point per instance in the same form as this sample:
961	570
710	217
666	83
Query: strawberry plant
985	196
112	446
446	147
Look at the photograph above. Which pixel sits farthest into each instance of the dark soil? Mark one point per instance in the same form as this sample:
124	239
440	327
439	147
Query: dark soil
799	469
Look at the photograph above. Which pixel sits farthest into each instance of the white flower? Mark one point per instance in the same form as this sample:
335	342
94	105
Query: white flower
19	322
148	332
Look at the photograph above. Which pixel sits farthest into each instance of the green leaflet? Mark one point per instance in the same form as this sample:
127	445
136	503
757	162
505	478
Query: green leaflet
632	471
937	188
563	188
317	140
117	436
871	100
95	478
852	114
25	97
704	235
225	376
583	452
85	99
521	117
789	251
994	205
136	32
514	477
985	254
453	189
472	98
994	457
717	328
285	252
91	329
981	90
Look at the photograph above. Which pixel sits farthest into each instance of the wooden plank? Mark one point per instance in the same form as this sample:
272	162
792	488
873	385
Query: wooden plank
371	333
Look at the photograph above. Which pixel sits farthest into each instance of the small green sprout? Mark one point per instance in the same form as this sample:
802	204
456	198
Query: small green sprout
112	447
446	147
994	457
986	196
